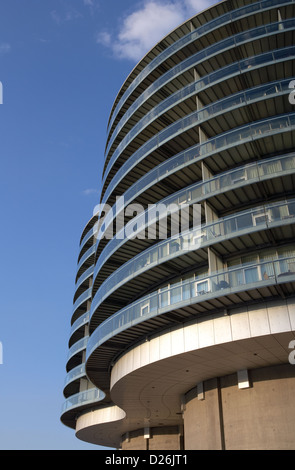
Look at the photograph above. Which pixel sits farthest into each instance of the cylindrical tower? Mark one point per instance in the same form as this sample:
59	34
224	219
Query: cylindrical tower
181	340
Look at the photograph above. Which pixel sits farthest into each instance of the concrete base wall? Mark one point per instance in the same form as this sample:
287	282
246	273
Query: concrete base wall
250	410
162	438
227	415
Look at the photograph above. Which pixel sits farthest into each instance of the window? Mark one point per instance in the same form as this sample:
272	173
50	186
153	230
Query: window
176	294
201	287
260	218
251	275
144	309
164	297
238	176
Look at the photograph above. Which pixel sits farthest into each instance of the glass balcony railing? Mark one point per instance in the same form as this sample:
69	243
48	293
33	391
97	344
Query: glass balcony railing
233	102
192	120
78	346
245	222
86	255
75	374
196	193
92	395
81	321
221	283
212	51
202	30
88	235
261	92
82	298
88	273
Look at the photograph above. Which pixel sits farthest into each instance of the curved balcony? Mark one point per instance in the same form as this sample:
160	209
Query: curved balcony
81	299
87	237
86	275
81	399
219	284
218	48
88	227
189	122
75	374
77	347
252	220
227	18
85	257
213	110
238	136
79	323
248	174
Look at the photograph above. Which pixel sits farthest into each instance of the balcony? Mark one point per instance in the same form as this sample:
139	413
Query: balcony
223	283
216	23
214	145
228	71
211	111
81	399
252	220
245	175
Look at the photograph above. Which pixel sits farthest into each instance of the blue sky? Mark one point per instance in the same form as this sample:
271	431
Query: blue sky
62	63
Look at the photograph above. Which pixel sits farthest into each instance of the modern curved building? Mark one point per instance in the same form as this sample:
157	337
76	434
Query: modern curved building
183	341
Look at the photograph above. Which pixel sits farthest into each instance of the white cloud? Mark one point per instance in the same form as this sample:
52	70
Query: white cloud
68	14
55	16
194	6
148	24
143	28
72	14
104	38
91	5
90	191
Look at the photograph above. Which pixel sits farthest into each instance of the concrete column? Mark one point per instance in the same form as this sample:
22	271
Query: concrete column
202	423
249	410
160	438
